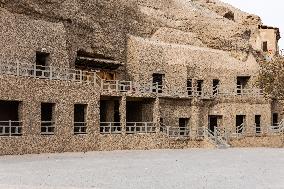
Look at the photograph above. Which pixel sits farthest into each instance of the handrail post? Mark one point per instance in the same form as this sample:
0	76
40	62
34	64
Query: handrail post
146	127
34	68
117	86
17	69
81	75
50	73
10	128
215	134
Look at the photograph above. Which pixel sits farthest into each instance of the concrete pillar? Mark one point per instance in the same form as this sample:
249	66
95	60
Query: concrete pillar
157	114
63	114
29	114
93	118
122	113
196	120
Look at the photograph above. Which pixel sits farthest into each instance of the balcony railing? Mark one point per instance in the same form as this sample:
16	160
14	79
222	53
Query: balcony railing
49	72
140	127
129	86
74	75
47	127
10	128
80	128
176	132
110	128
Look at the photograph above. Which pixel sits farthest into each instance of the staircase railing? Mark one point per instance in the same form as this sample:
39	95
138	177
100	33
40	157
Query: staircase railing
277	128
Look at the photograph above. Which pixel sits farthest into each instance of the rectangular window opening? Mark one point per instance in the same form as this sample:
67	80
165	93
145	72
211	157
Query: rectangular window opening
10	124
242	83
258	123
200	87
189	87
42	59
158	82
183	126
275	119
110	116
240	123
216	84
80	125
264	46
47	118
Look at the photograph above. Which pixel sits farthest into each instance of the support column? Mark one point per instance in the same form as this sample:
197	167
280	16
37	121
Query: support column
29	114
94	119
122	113
157	114
195	121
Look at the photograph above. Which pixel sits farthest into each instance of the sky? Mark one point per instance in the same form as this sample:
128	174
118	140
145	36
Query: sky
270	11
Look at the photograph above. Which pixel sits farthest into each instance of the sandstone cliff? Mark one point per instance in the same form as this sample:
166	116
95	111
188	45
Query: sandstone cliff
102	26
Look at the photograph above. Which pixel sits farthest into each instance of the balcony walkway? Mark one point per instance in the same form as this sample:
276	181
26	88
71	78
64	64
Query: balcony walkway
109	87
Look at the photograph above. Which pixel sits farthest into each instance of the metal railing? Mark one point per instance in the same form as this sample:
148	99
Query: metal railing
75	75
276	128
110	128
10	128
175	132
140	127
47	127
80	128
49	72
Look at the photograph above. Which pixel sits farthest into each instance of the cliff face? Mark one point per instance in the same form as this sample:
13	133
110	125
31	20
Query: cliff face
102	26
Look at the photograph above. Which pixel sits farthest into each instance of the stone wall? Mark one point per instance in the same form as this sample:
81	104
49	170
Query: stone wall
84	143
249	142
22	37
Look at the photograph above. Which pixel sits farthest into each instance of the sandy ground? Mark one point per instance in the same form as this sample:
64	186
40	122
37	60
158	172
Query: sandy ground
165	169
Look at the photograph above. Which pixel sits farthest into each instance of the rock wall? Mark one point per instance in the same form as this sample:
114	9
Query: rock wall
102	26
269	141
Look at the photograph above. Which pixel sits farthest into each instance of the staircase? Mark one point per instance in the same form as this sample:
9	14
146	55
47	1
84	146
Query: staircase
278	128
218	137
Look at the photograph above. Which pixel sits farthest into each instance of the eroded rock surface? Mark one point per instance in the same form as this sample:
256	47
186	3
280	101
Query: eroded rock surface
103	26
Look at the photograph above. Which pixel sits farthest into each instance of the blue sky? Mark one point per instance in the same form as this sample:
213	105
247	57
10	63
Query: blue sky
270	11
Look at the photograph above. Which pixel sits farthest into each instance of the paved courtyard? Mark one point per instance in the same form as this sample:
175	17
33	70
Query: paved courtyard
162	169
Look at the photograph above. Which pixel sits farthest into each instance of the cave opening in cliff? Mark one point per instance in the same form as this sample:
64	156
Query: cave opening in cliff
94	61
41	59
109	114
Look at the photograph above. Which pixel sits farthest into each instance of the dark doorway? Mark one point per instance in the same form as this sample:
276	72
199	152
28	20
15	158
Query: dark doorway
47	121
47	111
109	111
80	113
213	122
80	118
240	120
116	111
9	118
134	111
216	83
264	46
242	82
158	81
258	123
9	110
183	124
41	59
275	119
199	87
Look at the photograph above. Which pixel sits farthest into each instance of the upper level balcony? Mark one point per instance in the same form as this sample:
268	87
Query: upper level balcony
110	87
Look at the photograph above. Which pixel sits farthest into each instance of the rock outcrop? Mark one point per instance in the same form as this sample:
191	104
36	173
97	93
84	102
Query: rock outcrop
103	26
